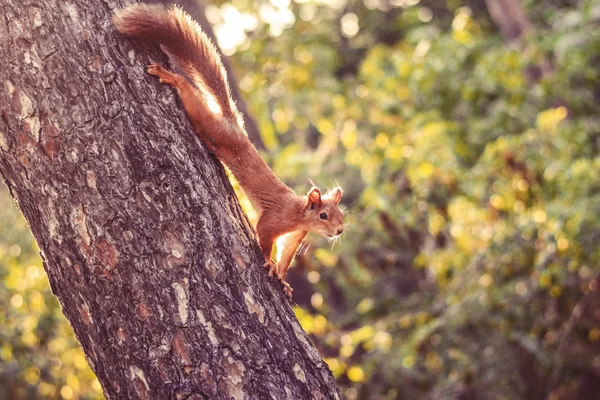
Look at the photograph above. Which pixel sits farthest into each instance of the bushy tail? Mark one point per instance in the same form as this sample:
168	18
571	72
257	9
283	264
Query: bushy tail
183	38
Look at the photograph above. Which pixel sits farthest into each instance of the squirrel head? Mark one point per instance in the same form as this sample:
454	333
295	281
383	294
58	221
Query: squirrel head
322	213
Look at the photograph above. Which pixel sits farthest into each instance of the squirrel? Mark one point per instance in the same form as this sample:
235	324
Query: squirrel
207	100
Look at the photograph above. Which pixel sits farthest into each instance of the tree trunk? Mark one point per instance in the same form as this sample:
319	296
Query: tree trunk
511	20
145	246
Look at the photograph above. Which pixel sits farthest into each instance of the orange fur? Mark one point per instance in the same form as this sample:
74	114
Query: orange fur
220	127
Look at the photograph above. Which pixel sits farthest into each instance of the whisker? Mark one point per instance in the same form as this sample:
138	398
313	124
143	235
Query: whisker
334	241
305	248
300	249
349	205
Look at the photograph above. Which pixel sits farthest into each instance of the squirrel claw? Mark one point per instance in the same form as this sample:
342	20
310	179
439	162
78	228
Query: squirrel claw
287	289
163	75
153	69
272	268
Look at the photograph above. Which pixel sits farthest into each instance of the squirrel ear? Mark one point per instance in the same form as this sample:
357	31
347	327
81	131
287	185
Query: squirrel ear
314	198
336	195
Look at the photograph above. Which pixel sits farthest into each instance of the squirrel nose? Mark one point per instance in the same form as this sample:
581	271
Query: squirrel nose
340	230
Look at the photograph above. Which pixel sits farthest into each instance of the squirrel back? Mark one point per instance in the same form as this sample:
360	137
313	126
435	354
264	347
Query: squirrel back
282	213
184	39
221	129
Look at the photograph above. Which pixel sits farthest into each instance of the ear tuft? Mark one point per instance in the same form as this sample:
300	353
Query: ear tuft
314	198
336	195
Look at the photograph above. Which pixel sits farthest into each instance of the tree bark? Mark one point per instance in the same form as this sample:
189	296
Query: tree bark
145	246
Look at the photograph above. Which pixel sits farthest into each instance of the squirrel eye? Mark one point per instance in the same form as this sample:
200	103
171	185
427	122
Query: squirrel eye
323	216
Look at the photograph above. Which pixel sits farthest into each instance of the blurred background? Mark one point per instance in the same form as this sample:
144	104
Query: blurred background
465	134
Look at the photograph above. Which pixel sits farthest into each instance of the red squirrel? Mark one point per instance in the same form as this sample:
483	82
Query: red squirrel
216	120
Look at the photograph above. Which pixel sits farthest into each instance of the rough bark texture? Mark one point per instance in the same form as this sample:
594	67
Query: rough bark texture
144	243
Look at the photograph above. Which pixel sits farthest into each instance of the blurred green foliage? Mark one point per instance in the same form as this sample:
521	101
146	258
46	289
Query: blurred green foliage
39	355
470	265
473	186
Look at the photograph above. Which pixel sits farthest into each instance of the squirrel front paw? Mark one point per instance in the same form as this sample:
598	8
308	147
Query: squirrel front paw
287	289
272	268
